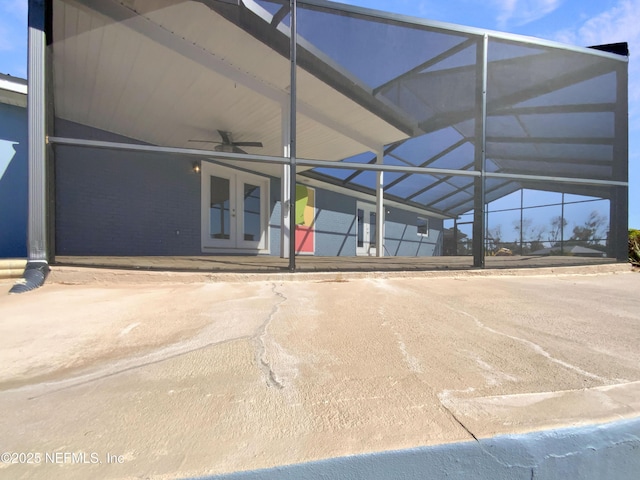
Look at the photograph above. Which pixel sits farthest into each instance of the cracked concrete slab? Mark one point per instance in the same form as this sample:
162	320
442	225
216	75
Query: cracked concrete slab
189	379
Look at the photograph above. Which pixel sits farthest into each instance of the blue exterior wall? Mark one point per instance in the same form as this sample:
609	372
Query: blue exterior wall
335	224
131	203
402	239
14	185
336	229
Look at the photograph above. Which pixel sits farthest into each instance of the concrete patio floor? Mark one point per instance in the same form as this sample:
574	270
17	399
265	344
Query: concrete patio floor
174	375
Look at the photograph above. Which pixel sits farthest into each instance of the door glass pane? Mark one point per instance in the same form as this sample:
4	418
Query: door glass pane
372	229
219	225
252	225
360	227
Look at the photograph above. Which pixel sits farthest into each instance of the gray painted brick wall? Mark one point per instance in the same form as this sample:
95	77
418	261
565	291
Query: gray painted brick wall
125	204
133	203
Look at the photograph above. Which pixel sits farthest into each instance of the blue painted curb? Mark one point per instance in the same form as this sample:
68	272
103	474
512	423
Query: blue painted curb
606	451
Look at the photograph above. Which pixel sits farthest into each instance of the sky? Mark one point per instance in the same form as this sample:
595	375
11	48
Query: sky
575	22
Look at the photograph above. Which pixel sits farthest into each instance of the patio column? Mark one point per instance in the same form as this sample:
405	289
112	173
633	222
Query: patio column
380	205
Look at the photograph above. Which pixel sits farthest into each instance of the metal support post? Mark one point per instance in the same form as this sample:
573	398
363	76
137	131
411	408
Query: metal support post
480	153
292	137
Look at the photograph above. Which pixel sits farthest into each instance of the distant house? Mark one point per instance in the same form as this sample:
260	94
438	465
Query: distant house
13	167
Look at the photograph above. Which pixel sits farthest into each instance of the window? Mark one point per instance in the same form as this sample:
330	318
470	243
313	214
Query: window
423	226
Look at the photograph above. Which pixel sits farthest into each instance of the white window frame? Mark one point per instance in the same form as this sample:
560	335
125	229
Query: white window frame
426	220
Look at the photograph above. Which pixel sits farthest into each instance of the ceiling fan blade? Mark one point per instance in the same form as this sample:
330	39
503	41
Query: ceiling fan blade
225	136
238	150
204	141
248	144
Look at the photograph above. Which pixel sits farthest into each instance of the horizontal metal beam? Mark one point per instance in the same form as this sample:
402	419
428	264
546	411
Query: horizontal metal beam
384	168
551	109
552	160
555	140
192	152
450	172
544	178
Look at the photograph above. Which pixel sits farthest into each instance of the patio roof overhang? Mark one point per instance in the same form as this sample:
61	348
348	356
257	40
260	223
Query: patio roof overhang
179	80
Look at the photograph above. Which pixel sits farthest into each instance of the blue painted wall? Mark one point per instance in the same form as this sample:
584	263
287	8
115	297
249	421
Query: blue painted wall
335	224
401	235
336	230
13	181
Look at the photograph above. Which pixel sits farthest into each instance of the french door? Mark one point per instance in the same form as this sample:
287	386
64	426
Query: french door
234	210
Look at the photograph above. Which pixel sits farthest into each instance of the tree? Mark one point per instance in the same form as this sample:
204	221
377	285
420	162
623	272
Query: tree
557	225
592	231
494	237
530	234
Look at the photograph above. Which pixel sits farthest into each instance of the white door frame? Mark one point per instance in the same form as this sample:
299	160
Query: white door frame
368	247
236	243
